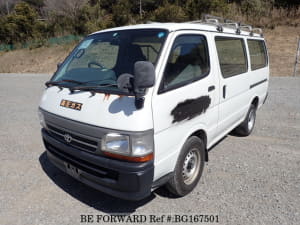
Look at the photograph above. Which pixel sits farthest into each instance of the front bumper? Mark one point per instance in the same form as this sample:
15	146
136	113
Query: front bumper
126	180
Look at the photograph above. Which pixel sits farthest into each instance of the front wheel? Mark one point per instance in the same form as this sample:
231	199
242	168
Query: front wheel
189	167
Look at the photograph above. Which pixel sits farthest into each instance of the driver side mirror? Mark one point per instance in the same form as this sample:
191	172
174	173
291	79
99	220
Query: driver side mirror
144	77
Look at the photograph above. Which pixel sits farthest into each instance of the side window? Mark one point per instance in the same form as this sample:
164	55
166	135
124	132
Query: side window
258	55
232	56
188	61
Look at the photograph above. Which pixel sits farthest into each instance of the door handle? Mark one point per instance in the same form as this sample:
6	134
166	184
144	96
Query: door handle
211	88
224	91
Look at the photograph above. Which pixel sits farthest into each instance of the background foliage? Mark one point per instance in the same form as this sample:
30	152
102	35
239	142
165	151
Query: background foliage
38	20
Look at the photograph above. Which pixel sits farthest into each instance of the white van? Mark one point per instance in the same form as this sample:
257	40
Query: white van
137	107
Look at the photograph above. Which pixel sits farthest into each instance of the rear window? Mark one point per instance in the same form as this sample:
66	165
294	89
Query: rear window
258	54
232	56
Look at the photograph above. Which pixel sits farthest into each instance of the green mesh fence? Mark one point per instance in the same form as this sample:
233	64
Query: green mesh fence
63	40
39	43
4	48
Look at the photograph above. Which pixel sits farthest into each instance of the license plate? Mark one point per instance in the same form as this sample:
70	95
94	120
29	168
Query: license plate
71	105
72	170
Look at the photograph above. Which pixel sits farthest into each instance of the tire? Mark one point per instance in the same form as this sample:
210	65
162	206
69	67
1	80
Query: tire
247	126
189	167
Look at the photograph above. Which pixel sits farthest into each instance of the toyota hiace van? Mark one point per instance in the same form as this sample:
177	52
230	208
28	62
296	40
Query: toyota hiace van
137	107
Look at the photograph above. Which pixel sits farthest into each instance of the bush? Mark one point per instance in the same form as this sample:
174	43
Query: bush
121	13
195	9
81	17
20	26
169	13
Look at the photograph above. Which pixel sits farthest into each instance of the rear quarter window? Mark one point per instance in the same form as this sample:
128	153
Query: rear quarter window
258	54
232	56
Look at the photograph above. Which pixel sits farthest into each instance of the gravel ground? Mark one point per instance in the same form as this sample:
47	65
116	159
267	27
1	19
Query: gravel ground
252	180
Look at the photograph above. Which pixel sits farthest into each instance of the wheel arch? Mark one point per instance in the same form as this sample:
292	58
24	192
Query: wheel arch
255	101
203	136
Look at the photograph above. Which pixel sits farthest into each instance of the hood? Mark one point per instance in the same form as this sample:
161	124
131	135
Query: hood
102	110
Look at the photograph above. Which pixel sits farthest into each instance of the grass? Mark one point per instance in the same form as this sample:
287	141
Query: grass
281	43
282	46
39	60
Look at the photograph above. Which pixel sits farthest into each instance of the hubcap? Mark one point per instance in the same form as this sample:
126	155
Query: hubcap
191	166
251	120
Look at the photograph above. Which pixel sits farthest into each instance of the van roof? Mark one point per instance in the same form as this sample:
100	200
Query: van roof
194	25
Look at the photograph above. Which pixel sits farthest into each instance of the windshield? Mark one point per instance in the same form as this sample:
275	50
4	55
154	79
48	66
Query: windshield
101	58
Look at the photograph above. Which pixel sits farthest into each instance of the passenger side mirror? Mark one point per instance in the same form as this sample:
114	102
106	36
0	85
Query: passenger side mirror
144	77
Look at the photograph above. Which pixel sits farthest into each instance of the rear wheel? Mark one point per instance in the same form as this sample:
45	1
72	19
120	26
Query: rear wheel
189	167
246	127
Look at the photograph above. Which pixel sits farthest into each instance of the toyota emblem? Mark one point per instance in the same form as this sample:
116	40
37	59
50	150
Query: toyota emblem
68	138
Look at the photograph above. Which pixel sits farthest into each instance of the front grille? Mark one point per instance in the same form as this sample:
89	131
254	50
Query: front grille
81	164
78	141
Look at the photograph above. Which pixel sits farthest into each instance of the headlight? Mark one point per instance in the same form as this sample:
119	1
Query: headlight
116	143
136	147
142	144
42	119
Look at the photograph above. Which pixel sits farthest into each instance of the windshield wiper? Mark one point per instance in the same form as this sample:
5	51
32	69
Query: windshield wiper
92	86
57	83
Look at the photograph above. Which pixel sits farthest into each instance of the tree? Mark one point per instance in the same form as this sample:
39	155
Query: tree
169	13
69	8
64	16
255	9
92	18
37	4
121	13
290	5
195	9
287	3
21	25
6	6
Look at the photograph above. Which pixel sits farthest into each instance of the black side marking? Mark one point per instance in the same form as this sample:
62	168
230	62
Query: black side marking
190	108
258	83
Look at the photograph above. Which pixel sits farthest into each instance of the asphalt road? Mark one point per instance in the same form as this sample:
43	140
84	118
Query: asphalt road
252	180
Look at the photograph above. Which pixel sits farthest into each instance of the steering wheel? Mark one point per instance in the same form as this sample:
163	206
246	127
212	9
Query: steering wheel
95	63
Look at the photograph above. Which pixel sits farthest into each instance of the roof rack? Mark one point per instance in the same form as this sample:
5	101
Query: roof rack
221	22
